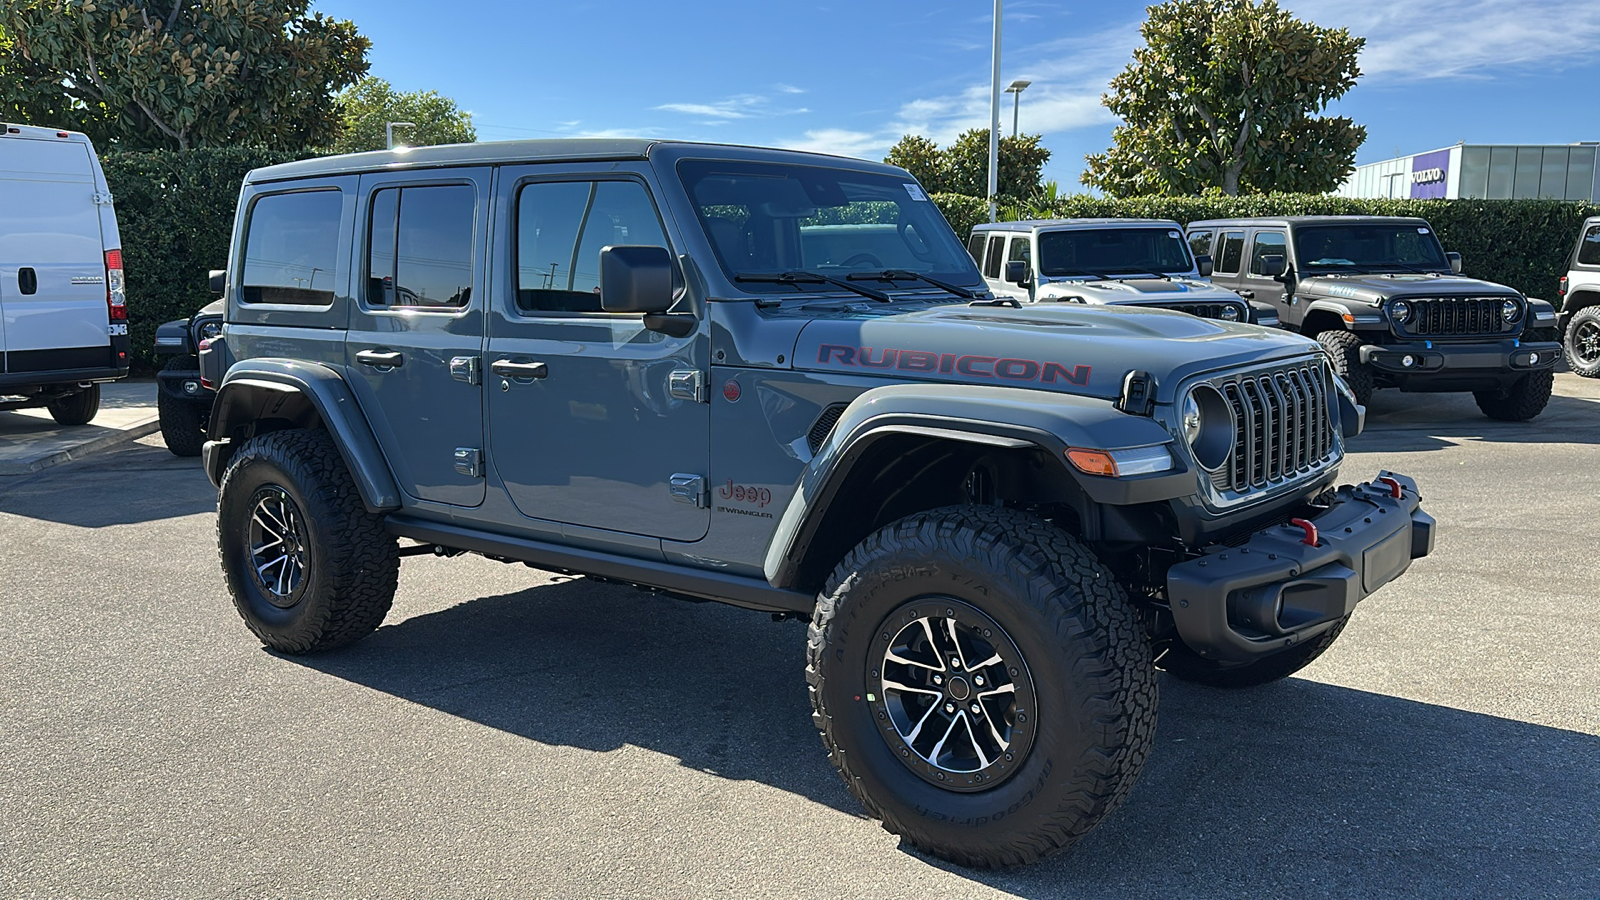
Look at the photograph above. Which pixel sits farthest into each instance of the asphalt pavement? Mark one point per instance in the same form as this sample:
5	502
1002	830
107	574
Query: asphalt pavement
30	440
512	733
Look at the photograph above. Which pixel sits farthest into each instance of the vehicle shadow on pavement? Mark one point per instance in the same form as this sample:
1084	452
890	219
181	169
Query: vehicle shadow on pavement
1293	789
169	487
1402	423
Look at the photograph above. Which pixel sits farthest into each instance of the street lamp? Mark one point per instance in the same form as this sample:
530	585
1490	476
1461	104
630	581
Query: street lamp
1016	89
388	130
994	117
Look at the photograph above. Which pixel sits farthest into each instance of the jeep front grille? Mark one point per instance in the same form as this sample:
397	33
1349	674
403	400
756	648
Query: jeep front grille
1209	310
1282	427
1456	317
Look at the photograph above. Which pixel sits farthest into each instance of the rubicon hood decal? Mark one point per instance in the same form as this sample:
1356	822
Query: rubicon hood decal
1010	368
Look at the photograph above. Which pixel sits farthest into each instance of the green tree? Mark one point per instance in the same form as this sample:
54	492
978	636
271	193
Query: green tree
1225	95
147	74
372	103
963	167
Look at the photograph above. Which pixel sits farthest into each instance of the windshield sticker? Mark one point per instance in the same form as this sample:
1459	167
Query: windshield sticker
1422	231
916	192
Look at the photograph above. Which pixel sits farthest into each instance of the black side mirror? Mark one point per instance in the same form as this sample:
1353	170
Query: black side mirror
1017	272
219	282
635	279
1272	265
1455	261
1204	265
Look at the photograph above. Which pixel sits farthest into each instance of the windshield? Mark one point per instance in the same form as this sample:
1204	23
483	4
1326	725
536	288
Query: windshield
765	218
1113	251
1367	246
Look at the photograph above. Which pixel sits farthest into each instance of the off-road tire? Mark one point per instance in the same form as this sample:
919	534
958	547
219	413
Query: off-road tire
1179	661
353	562
1585	323
1520	402
1079	637
182	421
76	409
1345	348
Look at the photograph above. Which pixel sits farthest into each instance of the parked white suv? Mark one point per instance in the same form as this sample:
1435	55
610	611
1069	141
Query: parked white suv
1106	262
1580	302
63	311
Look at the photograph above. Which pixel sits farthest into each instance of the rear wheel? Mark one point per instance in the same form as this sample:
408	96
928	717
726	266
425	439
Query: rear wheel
1582	342
1179	661
982	684
1520	402
1345	348
76	409
308	566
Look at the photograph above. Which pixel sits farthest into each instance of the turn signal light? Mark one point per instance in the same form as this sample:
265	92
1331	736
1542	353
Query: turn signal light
1092	462
1115	463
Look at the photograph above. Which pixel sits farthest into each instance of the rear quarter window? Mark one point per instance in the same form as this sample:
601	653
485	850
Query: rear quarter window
1589	247
291	248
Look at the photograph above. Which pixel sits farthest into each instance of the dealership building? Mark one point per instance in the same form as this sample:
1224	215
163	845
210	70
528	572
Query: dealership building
1483	172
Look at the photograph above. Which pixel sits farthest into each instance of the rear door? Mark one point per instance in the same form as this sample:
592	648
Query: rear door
52	258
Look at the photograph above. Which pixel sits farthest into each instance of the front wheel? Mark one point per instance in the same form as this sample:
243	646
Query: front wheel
1581	343
1345	349
1520	402
183	422
76	409
982	684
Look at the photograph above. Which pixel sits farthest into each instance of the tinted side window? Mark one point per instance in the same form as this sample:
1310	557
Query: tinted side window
1589	247
291	248
561	228
1232	252
997	249
1267	243
975	248
1200	243
1019	249
419	251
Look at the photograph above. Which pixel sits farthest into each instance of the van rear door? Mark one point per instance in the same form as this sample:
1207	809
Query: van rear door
52	258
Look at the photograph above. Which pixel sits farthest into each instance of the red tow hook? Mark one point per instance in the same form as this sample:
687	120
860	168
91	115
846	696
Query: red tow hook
1395	490
1311	539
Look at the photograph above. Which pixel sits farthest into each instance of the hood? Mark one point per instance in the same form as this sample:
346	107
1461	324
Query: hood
1141	290
1069	348
1375	289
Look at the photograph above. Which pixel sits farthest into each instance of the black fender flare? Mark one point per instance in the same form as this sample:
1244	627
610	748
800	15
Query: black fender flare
1001	417
305	394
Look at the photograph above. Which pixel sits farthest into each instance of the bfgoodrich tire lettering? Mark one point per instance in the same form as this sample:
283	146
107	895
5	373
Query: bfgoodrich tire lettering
1092	719
348	564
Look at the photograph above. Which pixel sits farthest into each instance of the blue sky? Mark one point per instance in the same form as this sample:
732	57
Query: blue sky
851	78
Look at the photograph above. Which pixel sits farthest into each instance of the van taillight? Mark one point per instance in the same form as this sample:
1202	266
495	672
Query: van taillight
116	294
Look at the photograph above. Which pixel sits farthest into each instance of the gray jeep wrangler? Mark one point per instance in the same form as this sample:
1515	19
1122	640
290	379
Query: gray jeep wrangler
776	380
1391	307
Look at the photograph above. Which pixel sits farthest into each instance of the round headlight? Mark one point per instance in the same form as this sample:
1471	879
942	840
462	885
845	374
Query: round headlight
1230	314
1192	419
1207	426
210	329
1400	310
1509	310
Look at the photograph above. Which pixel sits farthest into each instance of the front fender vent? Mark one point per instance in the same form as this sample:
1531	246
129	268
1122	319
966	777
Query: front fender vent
823	427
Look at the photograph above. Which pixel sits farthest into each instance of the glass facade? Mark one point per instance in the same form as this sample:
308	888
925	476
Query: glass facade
1484	172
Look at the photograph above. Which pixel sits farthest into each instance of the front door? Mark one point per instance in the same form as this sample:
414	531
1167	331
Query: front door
594	420
414	348
1266	287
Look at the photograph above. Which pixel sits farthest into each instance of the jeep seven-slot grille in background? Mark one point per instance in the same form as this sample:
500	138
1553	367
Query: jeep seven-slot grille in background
1209	310
1456	316
1282	427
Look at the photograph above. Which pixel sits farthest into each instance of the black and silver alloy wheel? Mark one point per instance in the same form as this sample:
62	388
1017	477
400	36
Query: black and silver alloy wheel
280	549
954	694
1582	342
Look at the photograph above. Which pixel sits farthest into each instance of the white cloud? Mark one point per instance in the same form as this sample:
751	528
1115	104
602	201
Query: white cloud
742	106
789	89
842	142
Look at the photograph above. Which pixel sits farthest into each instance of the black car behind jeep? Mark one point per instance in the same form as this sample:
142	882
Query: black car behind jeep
1391	306
184	398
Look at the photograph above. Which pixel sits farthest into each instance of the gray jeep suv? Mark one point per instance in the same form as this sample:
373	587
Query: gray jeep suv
776	380
1391	307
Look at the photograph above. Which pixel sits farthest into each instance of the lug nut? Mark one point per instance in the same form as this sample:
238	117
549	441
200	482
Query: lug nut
938	680
977	680
949	707
975	709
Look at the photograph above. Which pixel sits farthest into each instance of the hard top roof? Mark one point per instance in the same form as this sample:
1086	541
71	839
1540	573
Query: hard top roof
1064	224
14	130
533	151
1304	220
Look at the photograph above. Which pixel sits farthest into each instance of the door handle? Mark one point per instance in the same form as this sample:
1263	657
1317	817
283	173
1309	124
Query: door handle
522	369
381	359
1248	295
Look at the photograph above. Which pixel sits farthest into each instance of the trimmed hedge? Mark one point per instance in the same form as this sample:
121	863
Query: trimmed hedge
175	214
1520	243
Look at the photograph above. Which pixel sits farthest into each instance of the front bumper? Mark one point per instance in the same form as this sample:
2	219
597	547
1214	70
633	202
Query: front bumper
184	384
1438	365
1237	604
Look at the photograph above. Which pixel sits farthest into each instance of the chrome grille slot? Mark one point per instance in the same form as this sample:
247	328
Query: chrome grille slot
1456	317
1207	310
1282	429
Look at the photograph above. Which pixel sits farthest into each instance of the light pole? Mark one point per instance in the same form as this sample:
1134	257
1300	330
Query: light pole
994	119
388	130
1016	89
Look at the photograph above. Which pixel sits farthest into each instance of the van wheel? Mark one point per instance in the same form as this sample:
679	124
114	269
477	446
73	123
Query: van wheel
1179	661
308	567
981	683
1520	402
76	409
1345	348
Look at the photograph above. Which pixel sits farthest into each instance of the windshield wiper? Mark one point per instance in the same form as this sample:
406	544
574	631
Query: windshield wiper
892	275
1409	268
1075	273
803	277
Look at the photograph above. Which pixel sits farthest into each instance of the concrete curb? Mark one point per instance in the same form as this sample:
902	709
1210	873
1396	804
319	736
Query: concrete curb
104	442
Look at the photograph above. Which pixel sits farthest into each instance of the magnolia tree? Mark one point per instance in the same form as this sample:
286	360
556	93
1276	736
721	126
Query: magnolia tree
963	167
371	104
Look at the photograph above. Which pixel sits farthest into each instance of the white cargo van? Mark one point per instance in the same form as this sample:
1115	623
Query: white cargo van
63	312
